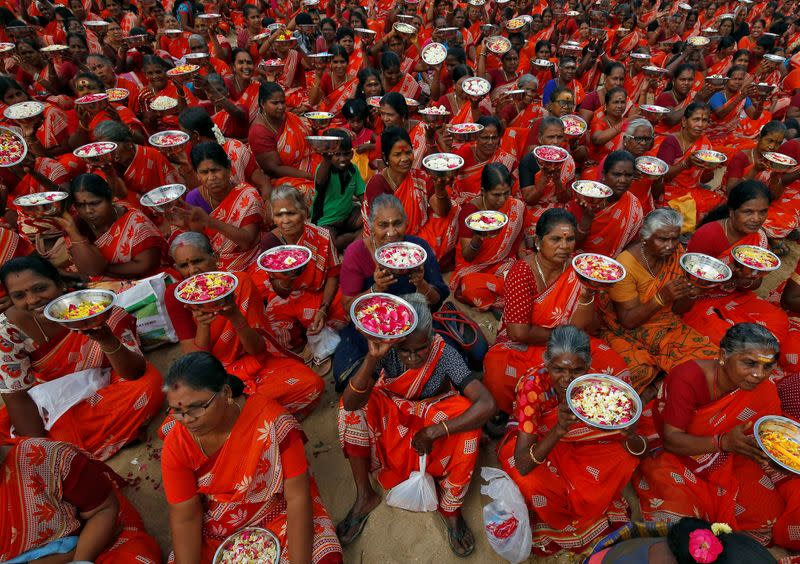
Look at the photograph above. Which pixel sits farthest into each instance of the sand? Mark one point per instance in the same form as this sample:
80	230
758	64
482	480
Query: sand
391	535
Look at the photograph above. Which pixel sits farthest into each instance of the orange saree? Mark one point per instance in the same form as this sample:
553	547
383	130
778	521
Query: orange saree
575	497
481	282
719	487
663	341
131	234
36	513
276	373
101	424
468	181
242	484
242	206
382	431
507	361
295	151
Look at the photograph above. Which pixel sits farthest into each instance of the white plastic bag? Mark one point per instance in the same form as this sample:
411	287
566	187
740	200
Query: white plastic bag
323	343
505	519
55	397
145	301
418	493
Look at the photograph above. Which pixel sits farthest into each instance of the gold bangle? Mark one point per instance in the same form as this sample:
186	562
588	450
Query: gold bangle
590	302
356	390
535	460
659	300
446	430
116	350
641	452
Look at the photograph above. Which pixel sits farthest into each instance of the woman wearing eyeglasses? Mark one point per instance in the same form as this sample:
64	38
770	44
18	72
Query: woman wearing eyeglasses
567	67
234	462
638	140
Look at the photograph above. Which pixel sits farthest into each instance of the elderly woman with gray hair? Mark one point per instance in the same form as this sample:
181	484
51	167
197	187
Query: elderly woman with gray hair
410	398
571	475
643	315
521	112
361	274
638	139
238	335
711	466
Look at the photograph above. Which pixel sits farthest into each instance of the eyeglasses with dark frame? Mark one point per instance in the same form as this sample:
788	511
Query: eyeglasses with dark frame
193	412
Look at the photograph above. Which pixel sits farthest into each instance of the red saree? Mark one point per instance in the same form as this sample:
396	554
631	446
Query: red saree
36	514
719	487
247	99
242	206
242	484
148	169
295	151
101	424
481	282
507	361
575	497
736	131
275	373
468	181
334	101
130	235
288	318
614	227
382	431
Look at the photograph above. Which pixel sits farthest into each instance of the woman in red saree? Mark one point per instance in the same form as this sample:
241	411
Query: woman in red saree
739	222
711	466
235	462
483	260
570	475
230	215
158	84
239	335
120	391
522	112
278	140
426	203
110	241
76	507
242	92
738	113
408	399
683	188
485	150
608	124
396	80
608	229
462	108
333	88
306	302
688	85
542	291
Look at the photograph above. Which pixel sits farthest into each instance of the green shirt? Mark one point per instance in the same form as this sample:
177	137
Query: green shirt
338	203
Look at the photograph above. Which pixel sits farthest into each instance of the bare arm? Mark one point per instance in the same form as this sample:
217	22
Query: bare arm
24	415
299	518
98	529
185	524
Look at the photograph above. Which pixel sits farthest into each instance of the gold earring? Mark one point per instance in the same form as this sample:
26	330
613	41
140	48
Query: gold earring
230	401
722	363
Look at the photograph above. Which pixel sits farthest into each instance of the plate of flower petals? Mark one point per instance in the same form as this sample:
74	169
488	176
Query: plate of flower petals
550	154
23	110
705	269
779	438
383	316
168	139
117	94
181	70
5	47
54	48
12	147
83	309
757	258
486	221
400	257
651	166
591	189
434	53
464	128
284	258
598	268
498	44
94	150
782	161
442	163
92	98
574	126
653	109
251	545
207	290
698	41
476	86
711	157
163	103
604	402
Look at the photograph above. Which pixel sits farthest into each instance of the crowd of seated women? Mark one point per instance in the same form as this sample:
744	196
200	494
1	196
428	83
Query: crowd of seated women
645	78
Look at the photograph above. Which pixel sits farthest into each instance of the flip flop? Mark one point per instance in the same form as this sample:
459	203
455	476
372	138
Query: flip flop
454	538
348	523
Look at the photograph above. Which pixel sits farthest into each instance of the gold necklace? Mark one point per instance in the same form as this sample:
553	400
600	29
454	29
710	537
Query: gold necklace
41	330
391	181
200	444
541	272
268	123
647	263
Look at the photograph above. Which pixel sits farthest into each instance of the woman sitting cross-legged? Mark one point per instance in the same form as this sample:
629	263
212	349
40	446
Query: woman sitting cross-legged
66	507
711	466
235	462
571	475
422	385
238	335
121	392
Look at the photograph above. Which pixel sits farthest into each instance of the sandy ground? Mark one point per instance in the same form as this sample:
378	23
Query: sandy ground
391	535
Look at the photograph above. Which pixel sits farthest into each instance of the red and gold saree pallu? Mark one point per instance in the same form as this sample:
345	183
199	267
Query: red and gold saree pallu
663	341
104	423
714	315
441	233
599	123
419	144
241	158
719	487
130	235
736	131
334	102
357	58
242	206
248	99
525	119
382	431
481	281
507	361
468	182
575	497
408	86
684	192
615	226
295	151
548	199
243	485
34	472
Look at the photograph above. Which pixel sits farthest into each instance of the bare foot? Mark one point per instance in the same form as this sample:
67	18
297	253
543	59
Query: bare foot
352	525
461	539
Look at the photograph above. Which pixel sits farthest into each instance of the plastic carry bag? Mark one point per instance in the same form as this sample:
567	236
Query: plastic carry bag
323	343
418	493
505	518
145	301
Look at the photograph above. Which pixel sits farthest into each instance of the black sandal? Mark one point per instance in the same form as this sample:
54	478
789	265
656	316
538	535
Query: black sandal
347	523
455	536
